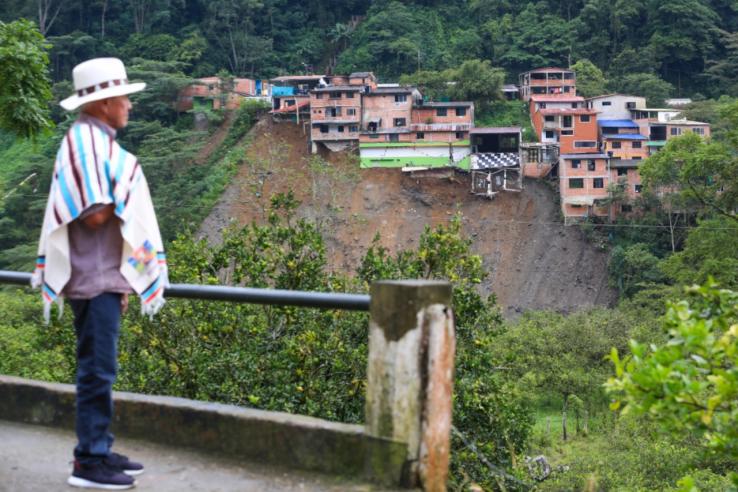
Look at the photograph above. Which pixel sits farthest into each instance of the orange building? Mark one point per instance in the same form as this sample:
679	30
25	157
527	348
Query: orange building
387	113
335	113
583	181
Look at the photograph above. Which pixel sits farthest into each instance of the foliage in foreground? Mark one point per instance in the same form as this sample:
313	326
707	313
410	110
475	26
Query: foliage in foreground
688	385
304	361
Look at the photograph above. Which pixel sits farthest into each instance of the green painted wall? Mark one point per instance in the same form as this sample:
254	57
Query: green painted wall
395	162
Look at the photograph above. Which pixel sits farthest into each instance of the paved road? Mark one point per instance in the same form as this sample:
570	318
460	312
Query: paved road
38	459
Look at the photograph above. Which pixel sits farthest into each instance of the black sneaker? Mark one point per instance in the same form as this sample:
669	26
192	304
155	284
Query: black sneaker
99	476
124	464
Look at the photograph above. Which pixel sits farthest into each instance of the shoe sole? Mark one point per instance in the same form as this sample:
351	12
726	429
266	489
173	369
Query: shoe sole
89	484
133	473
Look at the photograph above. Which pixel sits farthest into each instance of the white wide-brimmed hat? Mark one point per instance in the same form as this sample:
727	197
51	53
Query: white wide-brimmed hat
97	79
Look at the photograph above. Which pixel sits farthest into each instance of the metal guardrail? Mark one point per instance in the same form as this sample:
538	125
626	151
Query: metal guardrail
323	300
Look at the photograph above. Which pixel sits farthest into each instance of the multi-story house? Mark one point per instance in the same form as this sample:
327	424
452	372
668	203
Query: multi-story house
217	93
335	113
547	81
442	121
615	106
583	181
564	120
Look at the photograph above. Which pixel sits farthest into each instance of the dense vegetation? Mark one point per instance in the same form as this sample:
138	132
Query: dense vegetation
535	385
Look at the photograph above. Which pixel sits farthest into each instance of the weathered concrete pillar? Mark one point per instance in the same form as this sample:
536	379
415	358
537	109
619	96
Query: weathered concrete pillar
410	374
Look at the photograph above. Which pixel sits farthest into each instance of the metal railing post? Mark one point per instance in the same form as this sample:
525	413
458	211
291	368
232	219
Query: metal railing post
410	375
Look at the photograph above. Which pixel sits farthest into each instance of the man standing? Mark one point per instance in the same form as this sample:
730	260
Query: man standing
99	241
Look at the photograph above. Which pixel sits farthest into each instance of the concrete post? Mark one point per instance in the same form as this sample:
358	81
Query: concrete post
410	375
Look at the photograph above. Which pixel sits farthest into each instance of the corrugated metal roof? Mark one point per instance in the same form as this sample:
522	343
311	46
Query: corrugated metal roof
548	69
449	104
391	90
617	124
495	130
555	97
624	163
584	156
554	111
625	136
337	88
297	78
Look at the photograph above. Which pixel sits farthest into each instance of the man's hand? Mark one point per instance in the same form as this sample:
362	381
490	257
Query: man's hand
124	303
96	219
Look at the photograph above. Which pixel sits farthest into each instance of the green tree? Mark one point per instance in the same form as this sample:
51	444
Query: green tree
590	79
690	383
704	172
711	250
648	85
24	83
478	81
633	268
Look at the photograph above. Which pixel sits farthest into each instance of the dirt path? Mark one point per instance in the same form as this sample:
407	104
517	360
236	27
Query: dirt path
535	262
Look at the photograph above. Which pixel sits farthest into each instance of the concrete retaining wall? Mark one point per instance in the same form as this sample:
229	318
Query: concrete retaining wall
274	438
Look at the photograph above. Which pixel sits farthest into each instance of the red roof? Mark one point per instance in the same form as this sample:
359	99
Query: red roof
547	111
548	69
555	98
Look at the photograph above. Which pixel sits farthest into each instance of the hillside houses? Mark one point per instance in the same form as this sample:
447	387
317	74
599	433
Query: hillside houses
217	93
601	140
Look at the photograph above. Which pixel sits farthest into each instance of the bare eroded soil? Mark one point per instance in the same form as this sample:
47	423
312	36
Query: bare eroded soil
535	262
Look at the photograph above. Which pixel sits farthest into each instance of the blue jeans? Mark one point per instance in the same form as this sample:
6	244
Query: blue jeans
97	323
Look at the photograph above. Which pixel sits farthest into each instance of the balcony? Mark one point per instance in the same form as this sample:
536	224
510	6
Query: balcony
440	127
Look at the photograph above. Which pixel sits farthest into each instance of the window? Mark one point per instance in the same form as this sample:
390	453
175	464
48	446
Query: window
636	158
550	119
591	165
598	183
676	131
340	128
420	136
637	188
335	95
318	95
459	135
575	163
698	130
615	145
460	111
441	111
549	134
350	95
541	105
574	105
399	122
622	172
567	122
323	128
636	145
584	118
576	183
567	132
585	144
394	137
400	98
353	128
333	112
351	112
626	208
630	105
606	103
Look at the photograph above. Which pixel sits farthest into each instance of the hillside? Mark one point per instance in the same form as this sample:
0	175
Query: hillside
535	262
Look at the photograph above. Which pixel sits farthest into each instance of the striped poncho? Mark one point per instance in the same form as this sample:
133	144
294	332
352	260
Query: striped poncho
91	168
